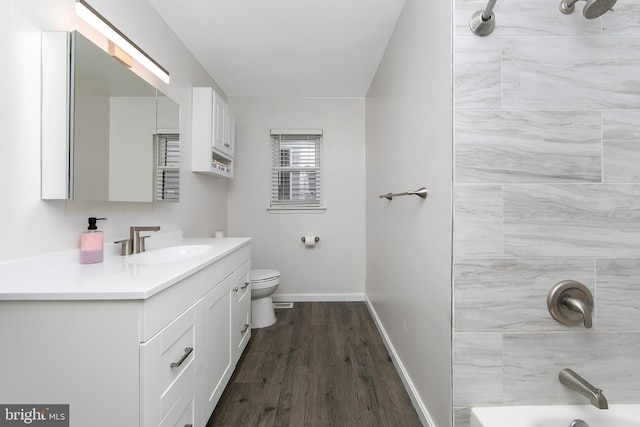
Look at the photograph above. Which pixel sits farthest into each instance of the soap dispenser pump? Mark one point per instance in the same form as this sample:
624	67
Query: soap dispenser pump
92	243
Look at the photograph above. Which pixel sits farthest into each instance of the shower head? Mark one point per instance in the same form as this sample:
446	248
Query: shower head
592	8
596	8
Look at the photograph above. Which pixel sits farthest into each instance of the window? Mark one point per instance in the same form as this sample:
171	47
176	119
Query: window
167	168
296	169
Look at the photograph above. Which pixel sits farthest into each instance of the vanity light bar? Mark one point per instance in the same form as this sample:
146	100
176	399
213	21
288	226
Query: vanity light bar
100	23
118	53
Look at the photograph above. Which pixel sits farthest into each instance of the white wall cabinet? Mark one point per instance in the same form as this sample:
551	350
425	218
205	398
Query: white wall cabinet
213	134
162	361
218	121
230	135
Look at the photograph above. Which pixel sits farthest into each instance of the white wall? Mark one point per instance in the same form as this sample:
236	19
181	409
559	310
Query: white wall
409	145
335	266
31	226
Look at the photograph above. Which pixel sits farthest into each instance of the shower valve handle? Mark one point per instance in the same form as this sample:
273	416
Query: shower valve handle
571	303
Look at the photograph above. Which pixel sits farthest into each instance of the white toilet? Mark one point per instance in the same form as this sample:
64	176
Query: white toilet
264	283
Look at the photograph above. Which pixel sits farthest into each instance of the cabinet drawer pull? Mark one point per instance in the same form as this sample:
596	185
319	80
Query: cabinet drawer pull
244	329
246	285
188	425
187	352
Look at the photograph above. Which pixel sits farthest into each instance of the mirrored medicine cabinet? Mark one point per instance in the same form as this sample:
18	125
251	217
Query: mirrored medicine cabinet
107	134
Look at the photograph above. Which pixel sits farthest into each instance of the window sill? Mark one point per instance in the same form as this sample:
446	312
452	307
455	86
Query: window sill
297	210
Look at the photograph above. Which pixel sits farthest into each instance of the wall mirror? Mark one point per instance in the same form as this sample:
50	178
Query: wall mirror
122	138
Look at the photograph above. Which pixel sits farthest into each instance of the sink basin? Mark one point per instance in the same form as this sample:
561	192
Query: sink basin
170	254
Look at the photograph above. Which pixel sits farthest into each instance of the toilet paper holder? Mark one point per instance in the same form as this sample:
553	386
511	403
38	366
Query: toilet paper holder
304	239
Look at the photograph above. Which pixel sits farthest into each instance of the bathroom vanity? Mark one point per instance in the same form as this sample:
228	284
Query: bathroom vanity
126	342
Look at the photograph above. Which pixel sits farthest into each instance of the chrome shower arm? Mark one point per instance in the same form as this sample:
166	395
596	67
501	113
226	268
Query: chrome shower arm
482	22
486	14
568	6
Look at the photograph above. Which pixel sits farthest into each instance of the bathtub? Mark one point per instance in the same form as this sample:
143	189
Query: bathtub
555	416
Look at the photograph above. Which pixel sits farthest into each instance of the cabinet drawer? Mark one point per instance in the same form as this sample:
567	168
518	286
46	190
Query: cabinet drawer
167	368
241	326
243	280
243	311
182	414
243	330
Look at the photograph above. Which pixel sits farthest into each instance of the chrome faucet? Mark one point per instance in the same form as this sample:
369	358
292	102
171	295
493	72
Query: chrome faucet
576	383
137	242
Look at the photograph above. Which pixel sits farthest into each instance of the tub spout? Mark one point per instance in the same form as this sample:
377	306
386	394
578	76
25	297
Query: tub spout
576	383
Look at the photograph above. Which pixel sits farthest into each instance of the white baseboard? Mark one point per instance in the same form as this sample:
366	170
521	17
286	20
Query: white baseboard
317	297
418	404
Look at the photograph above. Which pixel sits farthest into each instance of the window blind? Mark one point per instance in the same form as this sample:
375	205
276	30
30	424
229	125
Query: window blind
296	179
167	168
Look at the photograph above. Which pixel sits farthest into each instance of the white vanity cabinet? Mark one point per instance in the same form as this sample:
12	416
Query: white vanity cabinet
241	327
226	317
196	354
217	306
213	134
167	373
157	361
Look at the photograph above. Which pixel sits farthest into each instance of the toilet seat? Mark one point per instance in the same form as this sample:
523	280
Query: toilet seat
263	275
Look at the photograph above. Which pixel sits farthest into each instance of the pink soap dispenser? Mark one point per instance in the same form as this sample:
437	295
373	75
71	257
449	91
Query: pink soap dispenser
92	243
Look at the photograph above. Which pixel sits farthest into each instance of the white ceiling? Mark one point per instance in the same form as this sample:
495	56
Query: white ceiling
285	48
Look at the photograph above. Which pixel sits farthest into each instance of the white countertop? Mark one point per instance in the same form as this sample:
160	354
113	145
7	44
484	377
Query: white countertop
60	276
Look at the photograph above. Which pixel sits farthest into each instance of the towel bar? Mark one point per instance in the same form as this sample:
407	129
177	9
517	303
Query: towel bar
421	192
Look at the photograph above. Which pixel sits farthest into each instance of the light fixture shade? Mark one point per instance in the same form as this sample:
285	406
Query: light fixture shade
102	25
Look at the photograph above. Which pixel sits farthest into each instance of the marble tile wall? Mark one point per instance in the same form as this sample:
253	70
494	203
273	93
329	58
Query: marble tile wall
546	188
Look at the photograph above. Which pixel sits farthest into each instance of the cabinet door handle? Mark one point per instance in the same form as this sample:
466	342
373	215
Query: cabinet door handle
235	289
246	284
188	425
187	352
246	326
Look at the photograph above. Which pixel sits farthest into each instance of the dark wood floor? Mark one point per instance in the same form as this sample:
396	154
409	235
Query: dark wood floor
321	364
